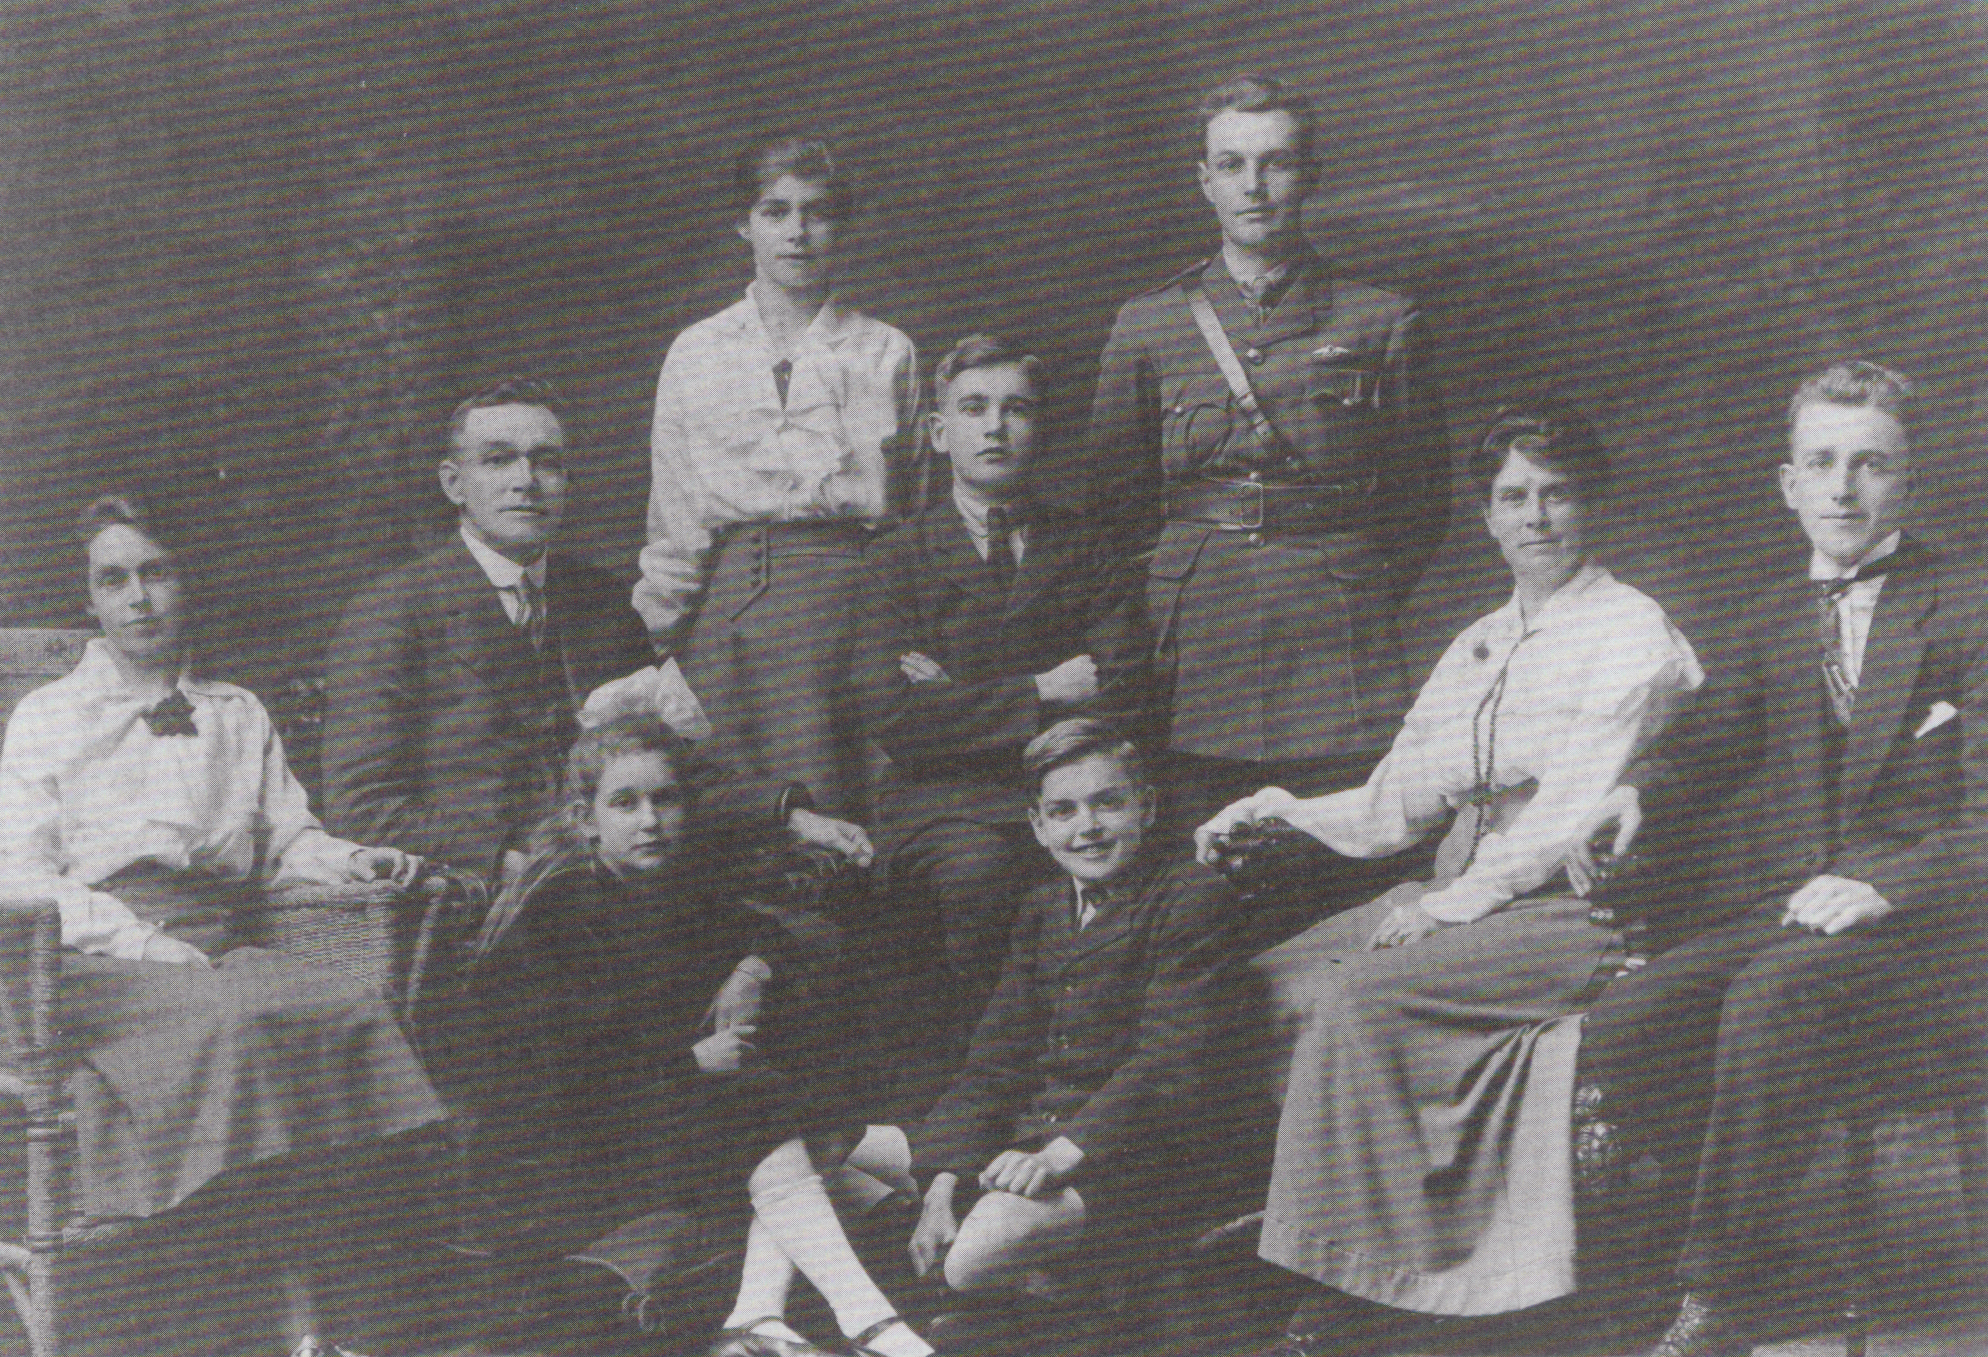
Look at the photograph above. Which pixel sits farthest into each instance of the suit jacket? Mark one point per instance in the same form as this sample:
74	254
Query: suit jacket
955	747
1102	1036
1905	809
434	737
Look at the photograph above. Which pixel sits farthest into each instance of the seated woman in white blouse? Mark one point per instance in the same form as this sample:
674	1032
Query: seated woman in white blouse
147	802
1423	1157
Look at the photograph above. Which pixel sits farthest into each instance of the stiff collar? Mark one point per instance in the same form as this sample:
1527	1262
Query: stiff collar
973	508
1822	568
1299	265
501	570
1127	885
1566	598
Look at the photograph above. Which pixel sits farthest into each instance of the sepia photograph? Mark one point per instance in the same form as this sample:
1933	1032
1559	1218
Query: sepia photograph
1002	678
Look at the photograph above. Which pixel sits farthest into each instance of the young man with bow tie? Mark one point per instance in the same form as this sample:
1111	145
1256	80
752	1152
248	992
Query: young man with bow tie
1845	743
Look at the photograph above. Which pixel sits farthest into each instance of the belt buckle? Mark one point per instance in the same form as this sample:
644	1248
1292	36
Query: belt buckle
1257	486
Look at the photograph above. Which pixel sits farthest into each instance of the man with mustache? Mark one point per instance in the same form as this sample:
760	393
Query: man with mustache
1265	438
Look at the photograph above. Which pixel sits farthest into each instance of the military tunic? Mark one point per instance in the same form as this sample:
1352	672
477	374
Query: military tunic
1275	623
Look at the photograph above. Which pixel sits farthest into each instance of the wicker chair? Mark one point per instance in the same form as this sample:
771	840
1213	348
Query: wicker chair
377	934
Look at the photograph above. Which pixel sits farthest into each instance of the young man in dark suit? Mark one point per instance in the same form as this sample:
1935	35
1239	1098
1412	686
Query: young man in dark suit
994	617
453	682
1847	738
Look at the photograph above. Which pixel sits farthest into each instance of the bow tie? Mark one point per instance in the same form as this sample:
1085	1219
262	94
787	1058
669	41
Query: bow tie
171	715
1830	591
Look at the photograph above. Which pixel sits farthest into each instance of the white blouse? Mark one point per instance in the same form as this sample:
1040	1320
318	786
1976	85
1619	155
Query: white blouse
1545	713
725	450
86	789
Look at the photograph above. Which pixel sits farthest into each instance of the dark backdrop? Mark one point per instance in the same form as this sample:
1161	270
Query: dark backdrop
255	252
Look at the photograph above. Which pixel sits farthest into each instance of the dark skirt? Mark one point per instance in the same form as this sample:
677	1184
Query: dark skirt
185	1073
549	1185
1423	1157
772	658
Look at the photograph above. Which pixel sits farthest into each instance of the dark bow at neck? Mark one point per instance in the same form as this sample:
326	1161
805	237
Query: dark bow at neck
171	715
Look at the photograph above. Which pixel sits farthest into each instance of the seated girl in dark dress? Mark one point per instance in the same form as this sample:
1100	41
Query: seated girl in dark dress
657	1049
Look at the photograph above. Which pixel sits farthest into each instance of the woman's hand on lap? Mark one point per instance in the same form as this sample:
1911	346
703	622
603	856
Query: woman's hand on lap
384	864
1403	925
725	1052
173	952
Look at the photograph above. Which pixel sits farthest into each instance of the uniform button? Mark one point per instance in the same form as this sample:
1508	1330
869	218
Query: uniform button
1180	409
1255	356
1069	989
1256	539
1255	476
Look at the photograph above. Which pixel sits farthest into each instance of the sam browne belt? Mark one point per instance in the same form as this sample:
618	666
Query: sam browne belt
1255	507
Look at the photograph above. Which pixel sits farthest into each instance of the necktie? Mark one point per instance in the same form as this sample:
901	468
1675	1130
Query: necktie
531	611
171	715
783	373
1261	292
1000	553
1836	678
1090	899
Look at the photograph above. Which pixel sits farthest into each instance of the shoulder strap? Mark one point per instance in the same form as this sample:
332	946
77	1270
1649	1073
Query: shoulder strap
1224	353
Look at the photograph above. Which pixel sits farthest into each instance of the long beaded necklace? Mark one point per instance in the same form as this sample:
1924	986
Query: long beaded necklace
1484	751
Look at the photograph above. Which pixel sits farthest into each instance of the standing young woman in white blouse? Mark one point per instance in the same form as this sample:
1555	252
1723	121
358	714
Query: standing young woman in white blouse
1423	1154
784	436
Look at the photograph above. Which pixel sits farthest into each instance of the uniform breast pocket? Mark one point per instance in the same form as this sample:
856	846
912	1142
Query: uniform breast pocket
1196	425
1344	385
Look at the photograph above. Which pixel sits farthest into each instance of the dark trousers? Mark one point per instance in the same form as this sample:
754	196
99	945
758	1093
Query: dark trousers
954	886
1739	1043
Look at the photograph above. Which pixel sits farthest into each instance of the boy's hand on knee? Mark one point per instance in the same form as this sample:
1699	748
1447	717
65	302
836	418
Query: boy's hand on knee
1032	1175
937	1228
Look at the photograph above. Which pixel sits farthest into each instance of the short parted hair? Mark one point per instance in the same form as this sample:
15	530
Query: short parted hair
1076	739
984	351
806	157
1858	383
1252	93
506	391
1545	430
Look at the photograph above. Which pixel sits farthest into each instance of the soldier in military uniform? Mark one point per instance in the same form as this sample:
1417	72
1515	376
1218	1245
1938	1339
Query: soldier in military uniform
1285	508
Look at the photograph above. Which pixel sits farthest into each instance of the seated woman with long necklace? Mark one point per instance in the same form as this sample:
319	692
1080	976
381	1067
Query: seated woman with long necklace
1422	1157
